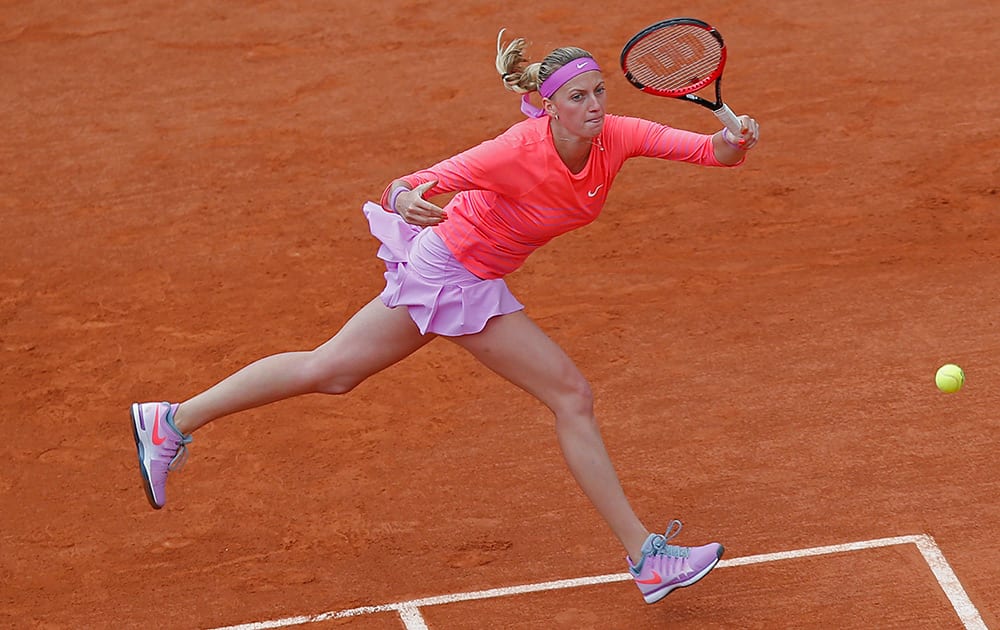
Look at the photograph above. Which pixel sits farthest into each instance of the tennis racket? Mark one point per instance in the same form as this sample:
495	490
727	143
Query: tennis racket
676	58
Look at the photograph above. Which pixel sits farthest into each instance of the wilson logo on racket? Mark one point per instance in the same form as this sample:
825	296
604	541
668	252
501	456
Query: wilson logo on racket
672	56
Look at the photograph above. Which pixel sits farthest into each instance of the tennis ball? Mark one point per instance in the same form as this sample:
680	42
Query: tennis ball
949	378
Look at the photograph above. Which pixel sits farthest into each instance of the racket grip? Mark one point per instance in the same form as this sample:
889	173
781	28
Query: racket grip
729	119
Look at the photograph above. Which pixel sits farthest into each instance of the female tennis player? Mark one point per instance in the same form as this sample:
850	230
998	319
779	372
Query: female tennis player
543	177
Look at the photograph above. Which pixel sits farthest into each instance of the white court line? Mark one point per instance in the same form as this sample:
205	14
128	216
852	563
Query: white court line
949	583
412	618
409	611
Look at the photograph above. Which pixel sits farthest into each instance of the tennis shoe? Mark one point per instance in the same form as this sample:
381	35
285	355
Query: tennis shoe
664	567
162	447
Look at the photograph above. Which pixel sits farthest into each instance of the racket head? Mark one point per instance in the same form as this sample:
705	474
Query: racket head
674	58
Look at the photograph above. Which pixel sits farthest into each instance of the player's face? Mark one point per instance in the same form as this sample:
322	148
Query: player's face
580	105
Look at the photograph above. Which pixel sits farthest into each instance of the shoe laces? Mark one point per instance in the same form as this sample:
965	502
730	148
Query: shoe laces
659	547
181	456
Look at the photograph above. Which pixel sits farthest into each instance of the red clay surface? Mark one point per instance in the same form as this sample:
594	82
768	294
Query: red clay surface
180	193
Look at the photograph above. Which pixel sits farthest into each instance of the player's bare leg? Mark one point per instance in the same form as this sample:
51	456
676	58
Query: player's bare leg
375	338
514	347
372	340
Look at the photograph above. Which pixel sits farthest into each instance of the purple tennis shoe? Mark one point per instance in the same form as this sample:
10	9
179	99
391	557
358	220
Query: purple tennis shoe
664	567
162	447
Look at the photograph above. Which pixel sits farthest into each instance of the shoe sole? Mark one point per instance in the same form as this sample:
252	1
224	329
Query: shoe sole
656	596
146	485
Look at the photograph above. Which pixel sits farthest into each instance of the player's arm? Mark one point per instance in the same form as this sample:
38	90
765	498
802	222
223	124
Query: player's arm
479	168
641	137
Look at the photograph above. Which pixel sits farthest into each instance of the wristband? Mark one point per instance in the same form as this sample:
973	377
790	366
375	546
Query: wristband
395	194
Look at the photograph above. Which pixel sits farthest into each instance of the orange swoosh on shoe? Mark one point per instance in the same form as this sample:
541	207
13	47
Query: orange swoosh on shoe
656	579
157	438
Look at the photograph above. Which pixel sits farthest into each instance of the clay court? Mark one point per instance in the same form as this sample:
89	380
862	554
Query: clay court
180	194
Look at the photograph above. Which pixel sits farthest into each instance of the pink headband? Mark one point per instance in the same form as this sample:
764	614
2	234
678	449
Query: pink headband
555	81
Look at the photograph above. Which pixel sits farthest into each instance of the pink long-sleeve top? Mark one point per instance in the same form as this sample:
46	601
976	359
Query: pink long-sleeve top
514	193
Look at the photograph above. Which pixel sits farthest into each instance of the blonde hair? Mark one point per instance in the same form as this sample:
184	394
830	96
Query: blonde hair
522	77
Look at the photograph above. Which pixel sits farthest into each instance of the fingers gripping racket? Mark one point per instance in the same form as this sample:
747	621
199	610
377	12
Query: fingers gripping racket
676	58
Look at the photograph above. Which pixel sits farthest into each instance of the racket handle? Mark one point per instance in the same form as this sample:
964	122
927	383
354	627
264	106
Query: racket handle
729	119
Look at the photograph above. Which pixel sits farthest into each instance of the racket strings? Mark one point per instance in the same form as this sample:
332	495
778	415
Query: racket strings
674	59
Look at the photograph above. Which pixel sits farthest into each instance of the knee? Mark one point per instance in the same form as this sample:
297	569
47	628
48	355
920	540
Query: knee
336	386
575	403
327	376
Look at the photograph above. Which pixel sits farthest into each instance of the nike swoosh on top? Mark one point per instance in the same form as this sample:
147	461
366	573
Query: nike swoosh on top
157	438
581	65
656	579
593	193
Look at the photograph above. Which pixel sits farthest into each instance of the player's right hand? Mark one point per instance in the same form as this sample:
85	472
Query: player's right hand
416	210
